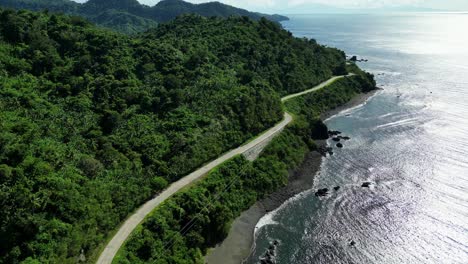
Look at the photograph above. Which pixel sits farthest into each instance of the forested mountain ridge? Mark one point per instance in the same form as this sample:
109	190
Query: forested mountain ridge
115	17
129	16
168	9
94	122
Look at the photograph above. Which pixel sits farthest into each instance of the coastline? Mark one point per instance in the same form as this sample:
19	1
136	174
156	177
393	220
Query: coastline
357	101
238	244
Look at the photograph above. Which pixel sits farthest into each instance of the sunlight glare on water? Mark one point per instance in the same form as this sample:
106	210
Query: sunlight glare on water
410	141
438	35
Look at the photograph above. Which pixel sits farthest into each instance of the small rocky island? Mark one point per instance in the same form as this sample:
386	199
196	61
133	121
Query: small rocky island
270	255
321	192
366	184
356	59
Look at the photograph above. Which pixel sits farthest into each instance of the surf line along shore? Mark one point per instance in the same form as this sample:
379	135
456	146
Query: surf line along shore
239	243
251	150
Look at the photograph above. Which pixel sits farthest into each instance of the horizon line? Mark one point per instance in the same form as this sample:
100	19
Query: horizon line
374	13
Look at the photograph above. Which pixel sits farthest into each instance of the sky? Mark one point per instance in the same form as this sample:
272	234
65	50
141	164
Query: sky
304	6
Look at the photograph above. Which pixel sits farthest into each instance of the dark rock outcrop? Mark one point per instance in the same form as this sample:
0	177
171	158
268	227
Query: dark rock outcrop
366	184
339	145
334	133
270	255
321	192
324	151
355	59
319	130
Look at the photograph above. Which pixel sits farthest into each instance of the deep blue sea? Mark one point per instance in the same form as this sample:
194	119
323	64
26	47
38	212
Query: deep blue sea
410	141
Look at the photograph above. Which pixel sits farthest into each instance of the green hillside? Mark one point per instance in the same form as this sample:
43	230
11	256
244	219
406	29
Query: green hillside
129	16
93	122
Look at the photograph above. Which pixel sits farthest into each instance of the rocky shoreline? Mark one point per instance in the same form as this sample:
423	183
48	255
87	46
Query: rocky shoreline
238	245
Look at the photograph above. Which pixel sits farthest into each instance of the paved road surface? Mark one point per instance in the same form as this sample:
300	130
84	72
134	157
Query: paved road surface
134	220
318	87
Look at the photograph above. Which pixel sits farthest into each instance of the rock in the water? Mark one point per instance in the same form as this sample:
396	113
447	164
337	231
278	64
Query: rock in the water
336	139
321	192
336	188
339	145
334	132
270	255
352	243
266	261
366	184
356	59
345	138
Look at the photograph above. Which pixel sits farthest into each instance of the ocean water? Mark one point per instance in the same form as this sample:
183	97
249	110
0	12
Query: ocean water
410	141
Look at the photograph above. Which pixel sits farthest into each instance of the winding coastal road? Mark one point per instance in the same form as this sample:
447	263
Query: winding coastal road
134	220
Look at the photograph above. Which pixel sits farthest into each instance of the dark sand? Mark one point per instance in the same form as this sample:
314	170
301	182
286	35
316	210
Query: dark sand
238	245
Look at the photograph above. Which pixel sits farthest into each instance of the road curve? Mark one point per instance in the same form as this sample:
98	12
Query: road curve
318	87
134	220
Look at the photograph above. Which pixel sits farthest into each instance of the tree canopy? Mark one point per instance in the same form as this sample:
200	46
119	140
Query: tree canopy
93	122
183	228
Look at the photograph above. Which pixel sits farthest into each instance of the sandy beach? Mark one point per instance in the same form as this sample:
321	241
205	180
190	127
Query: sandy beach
238	245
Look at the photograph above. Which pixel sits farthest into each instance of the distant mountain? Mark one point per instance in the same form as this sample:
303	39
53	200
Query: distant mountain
168	9
120	15
127	5
130	16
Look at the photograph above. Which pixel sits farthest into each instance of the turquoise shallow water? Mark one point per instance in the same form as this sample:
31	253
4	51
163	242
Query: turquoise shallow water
410	141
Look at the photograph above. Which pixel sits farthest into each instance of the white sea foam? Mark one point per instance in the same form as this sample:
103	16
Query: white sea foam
384	72
265	221
268	219
346	111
